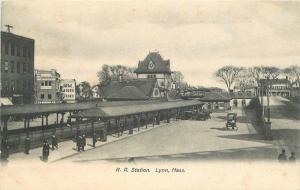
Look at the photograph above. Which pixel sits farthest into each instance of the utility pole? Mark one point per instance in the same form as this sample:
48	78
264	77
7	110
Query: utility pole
8	27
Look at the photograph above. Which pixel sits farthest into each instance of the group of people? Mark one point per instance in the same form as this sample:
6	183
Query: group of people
80	142
283	158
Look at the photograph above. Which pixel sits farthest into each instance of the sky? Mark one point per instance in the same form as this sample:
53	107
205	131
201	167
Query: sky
78	37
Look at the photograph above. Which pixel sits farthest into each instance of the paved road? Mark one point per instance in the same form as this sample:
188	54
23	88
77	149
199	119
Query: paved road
189	140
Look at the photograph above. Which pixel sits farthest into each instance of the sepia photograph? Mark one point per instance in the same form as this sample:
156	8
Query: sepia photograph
150	95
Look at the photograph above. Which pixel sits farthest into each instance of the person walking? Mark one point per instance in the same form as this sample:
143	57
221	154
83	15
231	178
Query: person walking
54	142
46	148
78	143
4	150
83	142
94	139
282	156
27	145
292	158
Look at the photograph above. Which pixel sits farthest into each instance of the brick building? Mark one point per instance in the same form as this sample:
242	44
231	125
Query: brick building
17	68
47	87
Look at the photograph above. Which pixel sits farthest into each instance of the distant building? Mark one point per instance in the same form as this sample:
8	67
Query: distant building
155	67
134	89
47	86
295	89
17	68
277	87
67	87
216	101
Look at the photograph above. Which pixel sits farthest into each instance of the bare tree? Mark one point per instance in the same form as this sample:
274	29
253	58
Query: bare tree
257	73
177	78
293	73
271	72
113	72
228	74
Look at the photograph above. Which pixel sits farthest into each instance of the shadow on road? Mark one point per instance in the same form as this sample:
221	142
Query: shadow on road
288	110
266	153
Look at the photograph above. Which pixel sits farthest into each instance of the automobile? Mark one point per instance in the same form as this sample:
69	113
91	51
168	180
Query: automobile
231	120
187	115
202	116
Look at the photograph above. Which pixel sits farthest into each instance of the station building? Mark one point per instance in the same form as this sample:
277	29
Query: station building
17	68
131	89
67	87
155	67
47	87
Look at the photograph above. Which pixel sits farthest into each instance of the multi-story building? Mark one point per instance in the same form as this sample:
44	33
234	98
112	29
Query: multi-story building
155	67
276	87
17	68
47	84
67	87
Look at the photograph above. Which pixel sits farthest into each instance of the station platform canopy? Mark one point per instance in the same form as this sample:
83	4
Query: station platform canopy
38	109
132	109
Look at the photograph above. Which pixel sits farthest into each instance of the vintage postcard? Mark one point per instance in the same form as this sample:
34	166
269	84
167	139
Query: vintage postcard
150	95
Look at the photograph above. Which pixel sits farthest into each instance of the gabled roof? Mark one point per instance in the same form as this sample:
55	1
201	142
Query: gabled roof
275	81
161	65
129	93
129	89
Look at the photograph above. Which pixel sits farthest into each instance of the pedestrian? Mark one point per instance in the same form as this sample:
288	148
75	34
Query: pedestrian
4	150
46	148
83	142
54	142
94	139
292	158
27	145
78	143
282	156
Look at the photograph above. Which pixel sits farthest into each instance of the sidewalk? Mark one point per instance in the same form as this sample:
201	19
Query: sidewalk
68	148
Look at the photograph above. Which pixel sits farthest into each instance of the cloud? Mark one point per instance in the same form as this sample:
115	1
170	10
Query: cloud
198	37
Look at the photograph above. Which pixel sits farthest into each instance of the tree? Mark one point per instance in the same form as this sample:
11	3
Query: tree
271	72
228	75
293	73
84	90
257	73
113	72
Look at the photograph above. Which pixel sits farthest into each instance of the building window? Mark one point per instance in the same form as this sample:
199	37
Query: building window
24	51
29	53
6	66
46	83
162	83
24	67
24	85
12	66
18	67
28	67
12	49
49	96
49	83
42	96
42	83
18	50
6	47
